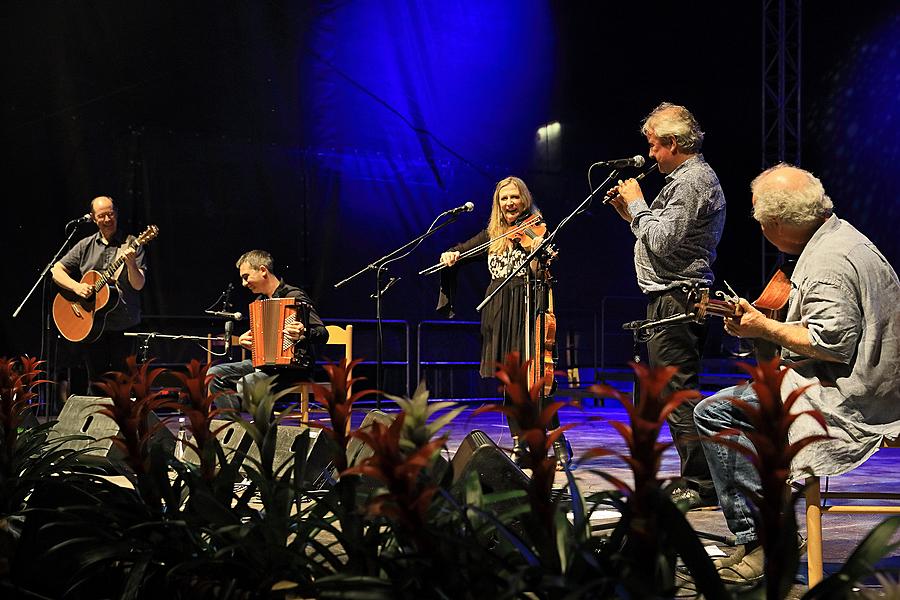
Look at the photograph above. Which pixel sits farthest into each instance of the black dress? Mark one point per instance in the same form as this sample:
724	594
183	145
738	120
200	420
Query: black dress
503	318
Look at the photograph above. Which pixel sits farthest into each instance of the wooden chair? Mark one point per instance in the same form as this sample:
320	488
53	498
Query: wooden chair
337	336
815	510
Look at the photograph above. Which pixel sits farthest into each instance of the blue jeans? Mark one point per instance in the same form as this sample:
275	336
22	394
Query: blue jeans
731	471
229	380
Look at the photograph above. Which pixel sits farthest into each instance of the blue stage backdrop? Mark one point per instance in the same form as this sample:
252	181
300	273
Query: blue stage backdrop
854	112
412	109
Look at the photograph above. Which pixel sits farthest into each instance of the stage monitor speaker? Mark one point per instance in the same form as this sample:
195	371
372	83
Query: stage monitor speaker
496	471
234	439
79	416
357	451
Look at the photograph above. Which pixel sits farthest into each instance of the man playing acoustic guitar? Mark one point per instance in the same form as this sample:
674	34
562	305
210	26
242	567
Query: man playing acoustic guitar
841	336
95	253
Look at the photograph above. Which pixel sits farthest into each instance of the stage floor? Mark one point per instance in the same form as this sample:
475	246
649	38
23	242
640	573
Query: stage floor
841	533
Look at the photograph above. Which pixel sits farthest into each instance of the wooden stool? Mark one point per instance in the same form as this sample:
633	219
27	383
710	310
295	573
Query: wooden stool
814	510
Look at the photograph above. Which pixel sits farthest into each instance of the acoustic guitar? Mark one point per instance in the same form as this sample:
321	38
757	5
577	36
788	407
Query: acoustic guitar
82	319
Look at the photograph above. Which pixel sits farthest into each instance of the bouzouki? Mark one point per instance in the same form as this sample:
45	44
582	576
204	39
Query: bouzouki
82	319
772	302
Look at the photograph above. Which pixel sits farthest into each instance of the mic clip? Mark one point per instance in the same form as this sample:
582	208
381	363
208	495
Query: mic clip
387	286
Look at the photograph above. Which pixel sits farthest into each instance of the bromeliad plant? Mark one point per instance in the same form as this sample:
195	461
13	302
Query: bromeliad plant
535	420
425	529
407	496
342	502
771	453
133	399
196	403
652	530
417	430
25	456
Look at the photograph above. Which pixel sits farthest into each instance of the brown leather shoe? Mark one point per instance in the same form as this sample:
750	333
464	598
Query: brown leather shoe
748	570
733	558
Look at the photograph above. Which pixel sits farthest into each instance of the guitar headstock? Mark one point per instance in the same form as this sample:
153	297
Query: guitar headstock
148	234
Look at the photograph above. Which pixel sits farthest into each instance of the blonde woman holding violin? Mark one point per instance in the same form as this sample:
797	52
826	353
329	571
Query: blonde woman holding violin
514	228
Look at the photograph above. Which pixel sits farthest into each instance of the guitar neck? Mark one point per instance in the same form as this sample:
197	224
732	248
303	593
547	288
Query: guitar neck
110	271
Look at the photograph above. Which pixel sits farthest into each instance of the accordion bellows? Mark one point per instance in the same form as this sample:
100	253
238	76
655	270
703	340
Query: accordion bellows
268	318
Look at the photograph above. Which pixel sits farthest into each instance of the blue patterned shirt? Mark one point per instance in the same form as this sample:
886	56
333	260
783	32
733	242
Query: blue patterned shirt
678	233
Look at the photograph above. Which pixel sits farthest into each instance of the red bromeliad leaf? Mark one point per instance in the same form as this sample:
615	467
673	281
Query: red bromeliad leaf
598	452
624	430
554	435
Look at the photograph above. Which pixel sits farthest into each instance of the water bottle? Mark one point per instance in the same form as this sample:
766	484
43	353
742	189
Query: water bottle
179	439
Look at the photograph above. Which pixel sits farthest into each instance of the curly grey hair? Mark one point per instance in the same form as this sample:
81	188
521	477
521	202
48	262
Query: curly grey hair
671	120
800	206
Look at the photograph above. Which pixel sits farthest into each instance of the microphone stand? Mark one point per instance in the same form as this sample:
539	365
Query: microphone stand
145	337
378	266
645	330
46	336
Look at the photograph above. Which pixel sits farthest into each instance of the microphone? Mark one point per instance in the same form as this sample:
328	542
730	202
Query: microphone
467	207
229	327
82	219
231	316
635	161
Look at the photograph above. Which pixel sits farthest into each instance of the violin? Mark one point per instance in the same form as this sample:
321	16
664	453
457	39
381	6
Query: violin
543	366
526	222
527	229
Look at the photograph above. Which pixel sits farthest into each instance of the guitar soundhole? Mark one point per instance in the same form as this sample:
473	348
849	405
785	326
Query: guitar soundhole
87	424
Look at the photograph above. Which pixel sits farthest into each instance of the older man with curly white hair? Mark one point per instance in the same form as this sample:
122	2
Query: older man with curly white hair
841	337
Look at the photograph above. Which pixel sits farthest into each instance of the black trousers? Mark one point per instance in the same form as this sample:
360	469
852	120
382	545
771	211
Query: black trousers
682	346
88	362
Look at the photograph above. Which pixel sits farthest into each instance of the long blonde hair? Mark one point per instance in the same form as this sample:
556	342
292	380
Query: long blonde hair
497	224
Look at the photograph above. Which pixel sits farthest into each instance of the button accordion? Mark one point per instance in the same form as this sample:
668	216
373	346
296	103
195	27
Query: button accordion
268	319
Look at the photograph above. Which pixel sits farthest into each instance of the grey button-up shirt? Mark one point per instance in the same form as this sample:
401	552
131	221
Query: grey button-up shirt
93	254
678	233
848	295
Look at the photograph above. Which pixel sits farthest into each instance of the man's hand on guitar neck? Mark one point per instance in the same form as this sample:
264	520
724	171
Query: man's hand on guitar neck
135	274
748	322
751	323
